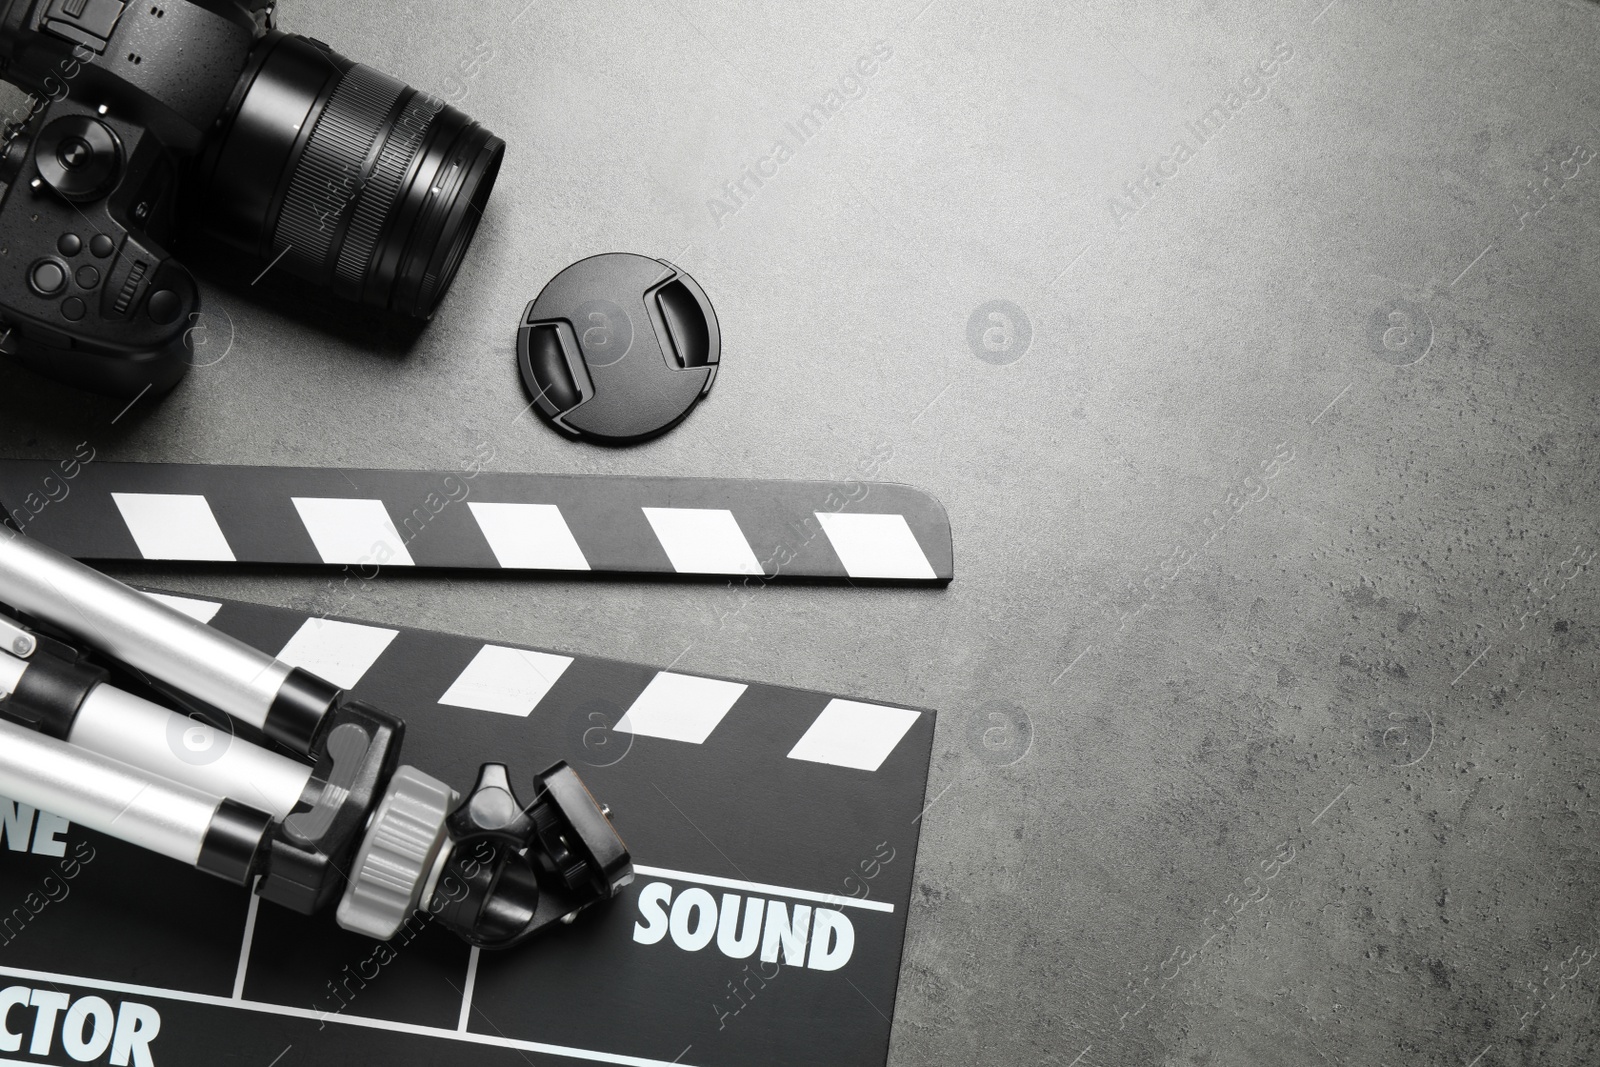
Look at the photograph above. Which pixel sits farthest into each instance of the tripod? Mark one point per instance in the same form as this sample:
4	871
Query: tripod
340	820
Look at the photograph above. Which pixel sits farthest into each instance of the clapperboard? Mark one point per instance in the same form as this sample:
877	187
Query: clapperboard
851	530
774	832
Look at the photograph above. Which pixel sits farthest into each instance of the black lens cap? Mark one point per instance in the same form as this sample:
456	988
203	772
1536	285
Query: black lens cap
618	348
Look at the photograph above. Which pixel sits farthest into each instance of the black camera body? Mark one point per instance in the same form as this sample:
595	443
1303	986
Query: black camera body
162	124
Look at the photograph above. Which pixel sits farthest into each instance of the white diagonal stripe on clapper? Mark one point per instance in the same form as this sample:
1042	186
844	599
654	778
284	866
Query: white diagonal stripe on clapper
703	540
347	530
850	733
529	536
875	545
173	526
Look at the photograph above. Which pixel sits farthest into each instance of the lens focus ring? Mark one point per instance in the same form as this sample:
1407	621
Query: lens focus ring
352	180
383	189
332	170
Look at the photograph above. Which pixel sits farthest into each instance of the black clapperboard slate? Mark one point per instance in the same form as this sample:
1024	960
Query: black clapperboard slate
737	813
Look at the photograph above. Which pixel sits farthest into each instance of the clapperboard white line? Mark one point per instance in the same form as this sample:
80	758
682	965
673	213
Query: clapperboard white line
244	948
466	992
758	887
208	1000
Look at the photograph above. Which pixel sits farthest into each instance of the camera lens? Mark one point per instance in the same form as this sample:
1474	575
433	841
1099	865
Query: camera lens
346	176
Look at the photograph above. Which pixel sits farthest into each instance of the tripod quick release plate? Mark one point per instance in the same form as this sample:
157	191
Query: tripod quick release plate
517	868
305	857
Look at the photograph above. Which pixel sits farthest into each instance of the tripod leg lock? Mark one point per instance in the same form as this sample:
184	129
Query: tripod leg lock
304	858
51	689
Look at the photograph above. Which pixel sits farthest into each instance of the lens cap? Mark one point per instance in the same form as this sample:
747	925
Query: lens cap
618	348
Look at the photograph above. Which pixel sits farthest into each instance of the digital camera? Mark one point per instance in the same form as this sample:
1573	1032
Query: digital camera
160	124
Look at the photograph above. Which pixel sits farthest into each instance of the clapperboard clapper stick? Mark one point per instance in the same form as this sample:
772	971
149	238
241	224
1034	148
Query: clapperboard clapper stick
848	530
352	825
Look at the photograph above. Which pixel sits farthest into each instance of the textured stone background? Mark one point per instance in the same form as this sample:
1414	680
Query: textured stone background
1331	334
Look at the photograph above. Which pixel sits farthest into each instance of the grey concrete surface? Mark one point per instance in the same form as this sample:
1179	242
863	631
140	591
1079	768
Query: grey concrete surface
1273	483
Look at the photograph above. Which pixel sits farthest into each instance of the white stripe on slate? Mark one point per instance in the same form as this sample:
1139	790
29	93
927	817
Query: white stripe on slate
352	531
849	733
355	1022
337	652
680	707
703	540
529	536
198	610
875	546
831	899
510	681
169	526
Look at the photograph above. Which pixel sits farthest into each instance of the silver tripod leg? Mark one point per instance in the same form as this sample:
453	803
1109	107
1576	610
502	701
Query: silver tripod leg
104	794
138	630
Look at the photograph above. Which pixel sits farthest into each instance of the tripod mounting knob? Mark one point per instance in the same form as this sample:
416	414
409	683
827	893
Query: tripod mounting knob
492	810
399	855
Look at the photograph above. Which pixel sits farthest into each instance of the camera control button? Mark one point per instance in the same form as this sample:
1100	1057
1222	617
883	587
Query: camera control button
47	277
164	306
70	244
101	246
72	308
86	277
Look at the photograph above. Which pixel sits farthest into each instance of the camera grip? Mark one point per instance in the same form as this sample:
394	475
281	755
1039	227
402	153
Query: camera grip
116	320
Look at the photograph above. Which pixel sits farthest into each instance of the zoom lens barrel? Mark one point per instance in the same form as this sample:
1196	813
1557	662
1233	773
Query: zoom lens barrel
346	176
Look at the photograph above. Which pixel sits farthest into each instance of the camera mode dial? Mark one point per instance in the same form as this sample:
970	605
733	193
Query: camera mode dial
79	157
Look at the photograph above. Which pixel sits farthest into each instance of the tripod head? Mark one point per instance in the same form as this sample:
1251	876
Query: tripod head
343	820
